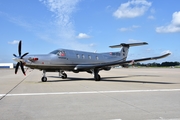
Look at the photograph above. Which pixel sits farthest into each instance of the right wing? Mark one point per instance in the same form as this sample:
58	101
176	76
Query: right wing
108	64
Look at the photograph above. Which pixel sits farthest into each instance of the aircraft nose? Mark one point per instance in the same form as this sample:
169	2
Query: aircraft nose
17	59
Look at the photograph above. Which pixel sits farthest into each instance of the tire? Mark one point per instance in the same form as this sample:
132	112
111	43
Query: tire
44	79
97	77
64	76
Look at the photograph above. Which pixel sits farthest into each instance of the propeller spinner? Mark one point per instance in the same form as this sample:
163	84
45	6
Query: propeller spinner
19	59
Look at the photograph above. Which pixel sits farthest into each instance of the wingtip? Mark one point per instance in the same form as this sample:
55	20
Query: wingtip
168	54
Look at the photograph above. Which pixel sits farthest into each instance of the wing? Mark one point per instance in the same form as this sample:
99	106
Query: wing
107	64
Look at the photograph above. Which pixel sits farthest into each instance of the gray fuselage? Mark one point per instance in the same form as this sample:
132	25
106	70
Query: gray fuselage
64	59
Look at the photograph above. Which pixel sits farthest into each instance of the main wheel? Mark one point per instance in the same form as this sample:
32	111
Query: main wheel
44	79
97	77
64	76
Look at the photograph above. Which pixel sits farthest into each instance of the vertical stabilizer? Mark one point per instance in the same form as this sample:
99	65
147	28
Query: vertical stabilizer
125	48
124	52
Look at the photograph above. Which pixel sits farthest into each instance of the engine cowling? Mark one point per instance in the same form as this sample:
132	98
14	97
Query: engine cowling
125	65
107	68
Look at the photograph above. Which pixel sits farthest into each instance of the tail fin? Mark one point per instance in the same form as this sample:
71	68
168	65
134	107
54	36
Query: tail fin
128	45
125	48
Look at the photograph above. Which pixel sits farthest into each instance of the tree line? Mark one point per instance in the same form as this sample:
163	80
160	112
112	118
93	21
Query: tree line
163	64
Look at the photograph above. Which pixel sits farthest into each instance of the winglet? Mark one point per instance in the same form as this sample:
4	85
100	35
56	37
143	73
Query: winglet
162	56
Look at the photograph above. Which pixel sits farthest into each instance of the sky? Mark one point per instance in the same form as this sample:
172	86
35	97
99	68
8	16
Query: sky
90	25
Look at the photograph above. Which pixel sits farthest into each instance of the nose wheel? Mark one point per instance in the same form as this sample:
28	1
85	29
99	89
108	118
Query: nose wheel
44	78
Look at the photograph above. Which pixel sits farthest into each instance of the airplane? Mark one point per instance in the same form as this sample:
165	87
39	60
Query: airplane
61	60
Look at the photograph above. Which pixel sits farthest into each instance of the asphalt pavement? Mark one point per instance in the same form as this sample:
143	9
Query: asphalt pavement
122	94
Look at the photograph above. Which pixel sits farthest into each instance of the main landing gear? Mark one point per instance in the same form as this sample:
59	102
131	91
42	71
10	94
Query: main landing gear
97	77
62	74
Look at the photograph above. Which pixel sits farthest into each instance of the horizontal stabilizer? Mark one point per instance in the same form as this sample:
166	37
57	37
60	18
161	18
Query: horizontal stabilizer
128	45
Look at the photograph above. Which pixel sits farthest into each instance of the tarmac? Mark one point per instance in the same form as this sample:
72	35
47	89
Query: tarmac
122	94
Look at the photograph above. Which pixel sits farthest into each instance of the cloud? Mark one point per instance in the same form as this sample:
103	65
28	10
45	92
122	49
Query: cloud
17	20
63	10
124	29
83	36
14	42
132	9
153	10
92	45
62	30
166	51
133	41
173	27
151	17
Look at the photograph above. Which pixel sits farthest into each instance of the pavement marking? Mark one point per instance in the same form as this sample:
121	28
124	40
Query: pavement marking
91	92
160	118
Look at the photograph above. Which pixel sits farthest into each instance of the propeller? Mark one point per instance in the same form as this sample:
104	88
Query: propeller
19	59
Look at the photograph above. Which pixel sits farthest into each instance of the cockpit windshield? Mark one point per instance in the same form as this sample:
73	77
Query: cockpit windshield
54	52
58	52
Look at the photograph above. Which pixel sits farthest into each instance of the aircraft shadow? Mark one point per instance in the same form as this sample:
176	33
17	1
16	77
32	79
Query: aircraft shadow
110	79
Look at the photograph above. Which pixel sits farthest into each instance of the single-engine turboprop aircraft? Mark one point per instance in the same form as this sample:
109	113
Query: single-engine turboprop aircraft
62	60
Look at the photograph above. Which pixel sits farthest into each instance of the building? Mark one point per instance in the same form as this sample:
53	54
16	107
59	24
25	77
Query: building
6	65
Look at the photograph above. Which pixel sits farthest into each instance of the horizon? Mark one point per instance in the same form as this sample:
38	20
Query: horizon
45	25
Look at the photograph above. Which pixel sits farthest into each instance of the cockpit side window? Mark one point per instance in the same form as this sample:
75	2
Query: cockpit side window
61	53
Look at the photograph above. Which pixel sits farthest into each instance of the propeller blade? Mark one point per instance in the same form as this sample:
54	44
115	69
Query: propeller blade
19	59
17	66
24	55
19	48
15	55
22	68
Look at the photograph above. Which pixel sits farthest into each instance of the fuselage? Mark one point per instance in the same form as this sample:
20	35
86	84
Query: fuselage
64	59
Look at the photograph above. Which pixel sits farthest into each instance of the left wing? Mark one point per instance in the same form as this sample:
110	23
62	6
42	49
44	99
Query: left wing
101	65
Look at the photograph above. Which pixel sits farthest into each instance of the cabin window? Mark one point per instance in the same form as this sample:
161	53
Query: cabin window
77	55
97	58
83	57
61	53
89	56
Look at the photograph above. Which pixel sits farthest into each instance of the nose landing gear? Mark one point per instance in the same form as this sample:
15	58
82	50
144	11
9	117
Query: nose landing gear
62	74
44	78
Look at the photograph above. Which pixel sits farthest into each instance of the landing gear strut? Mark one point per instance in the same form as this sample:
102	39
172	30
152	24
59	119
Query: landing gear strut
62	74
44	78
97	77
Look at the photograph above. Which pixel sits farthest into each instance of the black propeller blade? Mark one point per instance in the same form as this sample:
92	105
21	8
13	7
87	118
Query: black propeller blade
17	66
24	55
20	59
19	48
15	55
